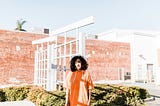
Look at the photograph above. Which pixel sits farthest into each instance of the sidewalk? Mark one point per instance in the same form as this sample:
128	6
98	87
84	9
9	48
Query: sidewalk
156	102
17	103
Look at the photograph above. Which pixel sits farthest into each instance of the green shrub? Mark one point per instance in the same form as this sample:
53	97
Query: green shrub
102	95
143	93
118	99
41	98
35	93
53	99
2	95
16	93
117	95
135	95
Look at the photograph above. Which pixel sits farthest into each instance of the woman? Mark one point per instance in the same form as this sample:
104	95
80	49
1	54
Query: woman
78	83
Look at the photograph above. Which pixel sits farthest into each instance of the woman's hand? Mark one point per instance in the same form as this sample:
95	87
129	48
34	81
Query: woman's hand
67	98
89	103
67	104
89	98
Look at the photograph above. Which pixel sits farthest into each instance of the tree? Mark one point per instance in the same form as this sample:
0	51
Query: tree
20	23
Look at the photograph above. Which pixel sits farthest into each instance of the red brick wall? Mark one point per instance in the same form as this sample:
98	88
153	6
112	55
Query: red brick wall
106	57
17	57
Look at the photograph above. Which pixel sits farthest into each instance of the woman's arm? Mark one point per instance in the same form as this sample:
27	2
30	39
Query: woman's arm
67	97
89	97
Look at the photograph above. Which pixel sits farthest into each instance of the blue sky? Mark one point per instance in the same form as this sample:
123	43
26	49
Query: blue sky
54	14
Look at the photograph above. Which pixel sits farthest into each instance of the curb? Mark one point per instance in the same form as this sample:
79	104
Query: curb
149	99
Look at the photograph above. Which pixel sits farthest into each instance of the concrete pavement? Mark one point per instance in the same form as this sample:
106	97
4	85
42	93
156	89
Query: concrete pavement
17	103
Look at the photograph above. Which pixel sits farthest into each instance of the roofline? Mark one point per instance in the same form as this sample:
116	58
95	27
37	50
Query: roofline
150	33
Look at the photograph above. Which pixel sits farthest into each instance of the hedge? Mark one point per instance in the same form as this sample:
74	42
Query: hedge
102	95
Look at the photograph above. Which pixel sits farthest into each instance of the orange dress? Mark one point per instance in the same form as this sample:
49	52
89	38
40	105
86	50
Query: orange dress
79	83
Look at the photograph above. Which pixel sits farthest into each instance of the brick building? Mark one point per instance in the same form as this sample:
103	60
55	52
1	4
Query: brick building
17	57
107	60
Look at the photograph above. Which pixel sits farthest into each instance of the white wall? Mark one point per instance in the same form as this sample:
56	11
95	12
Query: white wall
119	36
143	55
143	45
111	36
157	68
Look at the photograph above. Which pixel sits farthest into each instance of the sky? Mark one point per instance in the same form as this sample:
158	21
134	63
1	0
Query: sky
55	14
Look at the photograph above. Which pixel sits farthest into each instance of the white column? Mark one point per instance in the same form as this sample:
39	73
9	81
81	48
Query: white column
36	68
70	51
123	73
157	67
82	44
77	38
133	68
119	74
64	59
51	75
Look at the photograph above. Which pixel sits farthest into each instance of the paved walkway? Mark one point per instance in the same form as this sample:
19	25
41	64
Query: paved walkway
17	103
155	102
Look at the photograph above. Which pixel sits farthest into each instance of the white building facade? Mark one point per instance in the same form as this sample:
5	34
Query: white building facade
145	65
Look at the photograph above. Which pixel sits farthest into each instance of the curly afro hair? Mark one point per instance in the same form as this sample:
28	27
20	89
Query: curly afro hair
84	64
